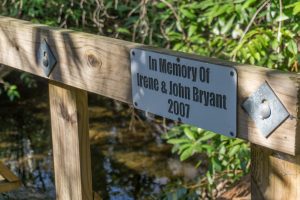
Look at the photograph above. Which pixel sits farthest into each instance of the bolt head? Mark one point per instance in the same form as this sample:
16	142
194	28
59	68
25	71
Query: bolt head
264	110
45	62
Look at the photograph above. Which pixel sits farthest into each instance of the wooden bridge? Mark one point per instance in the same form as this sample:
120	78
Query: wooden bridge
101	65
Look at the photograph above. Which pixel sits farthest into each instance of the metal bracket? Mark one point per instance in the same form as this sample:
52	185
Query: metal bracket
46	58
265	109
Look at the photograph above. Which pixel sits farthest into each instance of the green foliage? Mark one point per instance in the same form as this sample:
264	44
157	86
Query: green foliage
263	33
10	90
224	158
216	29
10	87
28	80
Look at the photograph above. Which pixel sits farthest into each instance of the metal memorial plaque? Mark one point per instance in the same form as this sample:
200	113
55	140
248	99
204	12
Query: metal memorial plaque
187	90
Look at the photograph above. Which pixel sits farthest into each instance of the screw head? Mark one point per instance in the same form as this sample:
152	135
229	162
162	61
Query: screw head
45	62
264	110
45	59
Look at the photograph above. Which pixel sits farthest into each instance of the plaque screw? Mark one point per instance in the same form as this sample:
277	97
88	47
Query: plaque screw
264	110
45	59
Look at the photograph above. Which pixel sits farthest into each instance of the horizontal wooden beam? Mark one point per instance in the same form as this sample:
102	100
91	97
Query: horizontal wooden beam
9	181
102	65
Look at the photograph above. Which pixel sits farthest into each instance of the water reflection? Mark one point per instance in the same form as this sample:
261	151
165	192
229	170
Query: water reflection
25	147
125	164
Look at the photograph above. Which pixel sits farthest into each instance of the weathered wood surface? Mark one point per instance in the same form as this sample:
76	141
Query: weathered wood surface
9	181
102	65
274	175
9	186
7	174
70	140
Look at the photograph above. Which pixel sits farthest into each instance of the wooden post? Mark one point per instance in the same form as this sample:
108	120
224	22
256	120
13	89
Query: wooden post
274	175
70	138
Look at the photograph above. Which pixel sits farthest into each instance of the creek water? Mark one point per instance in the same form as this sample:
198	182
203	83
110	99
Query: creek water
129	160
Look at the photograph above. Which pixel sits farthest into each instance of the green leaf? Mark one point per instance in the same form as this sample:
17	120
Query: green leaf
228	25
187	13
296	9
248	3
292	47
192	30
233	150
200	130
295	6
198	148
198	163
281	18
209	178
190	134
207	136
161	5
216	165
178	141
222	150
208	147
186	154
184	147
174	148
274	44
123	30
235	142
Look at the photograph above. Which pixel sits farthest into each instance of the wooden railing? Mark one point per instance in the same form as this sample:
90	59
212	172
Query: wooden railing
101	65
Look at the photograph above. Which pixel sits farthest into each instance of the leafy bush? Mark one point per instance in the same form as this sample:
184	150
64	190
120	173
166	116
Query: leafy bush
225	158
265	33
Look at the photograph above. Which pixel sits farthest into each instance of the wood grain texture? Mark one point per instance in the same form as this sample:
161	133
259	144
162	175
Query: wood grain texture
274	175
70	139
102	65
7	174
9	181
9	186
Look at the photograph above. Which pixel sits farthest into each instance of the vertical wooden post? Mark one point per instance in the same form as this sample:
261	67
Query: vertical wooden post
70	138
274	175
